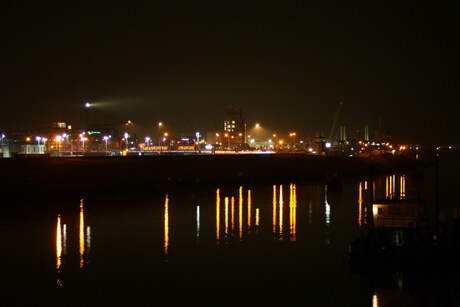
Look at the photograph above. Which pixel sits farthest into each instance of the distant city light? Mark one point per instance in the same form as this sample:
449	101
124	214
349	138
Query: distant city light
208	147
87	105
328	145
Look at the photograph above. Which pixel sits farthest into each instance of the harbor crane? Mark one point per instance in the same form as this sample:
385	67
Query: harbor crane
334	123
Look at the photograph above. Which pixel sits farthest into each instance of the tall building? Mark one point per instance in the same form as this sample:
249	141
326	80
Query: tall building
234	134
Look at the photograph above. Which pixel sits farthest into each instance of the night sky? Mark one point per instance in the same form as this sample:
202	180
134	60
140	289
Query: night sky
286	64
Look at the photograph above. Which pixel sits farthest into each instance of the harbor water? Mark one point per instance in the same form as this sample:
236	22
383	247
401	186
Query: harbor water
263	243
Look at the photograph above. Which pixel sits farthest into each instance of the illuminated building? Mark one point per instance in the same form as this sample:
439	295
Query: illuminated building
234	134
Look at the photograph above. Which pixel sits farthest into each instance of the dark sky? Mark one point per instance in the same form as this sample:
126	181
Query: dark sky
286	64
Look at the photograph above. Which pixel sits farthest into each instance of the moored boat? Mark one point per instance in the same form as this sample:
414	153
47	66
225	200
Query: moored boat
398	234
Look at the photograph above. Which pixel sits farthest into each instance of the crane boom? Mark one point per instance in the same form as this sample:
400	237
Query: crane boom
334	123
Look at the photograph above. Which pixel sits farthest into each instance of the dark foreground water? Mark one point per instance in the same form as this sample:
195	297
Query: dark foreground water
272	244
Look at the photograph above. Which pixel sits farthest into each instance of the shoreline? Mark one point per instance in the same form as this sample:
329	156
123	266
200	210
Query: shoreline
42	176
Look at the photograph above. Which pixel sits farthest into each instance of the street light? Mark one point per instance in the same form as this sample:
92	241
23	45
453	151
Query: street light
160	124
165	135
38	138
83	139
294	135
106	138
228	137
240	140
126	135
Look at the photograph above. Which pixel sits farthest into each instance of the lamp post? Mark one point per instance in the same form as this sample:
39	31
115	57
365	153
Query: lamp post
126	135
165	135
160	125
106	138
293	135
58	139
44	144
83	139
240	140
227	135
64	139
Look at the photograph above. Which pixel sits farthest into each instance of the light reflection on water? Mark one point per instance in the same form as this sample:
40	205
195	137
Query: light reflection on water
250	238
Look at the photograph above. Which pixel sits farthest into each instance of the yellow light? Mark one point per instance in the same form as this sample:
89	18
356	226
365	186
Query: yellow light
375	210
28	139
280	219
240	212
249	209
281	142
82	235
226	134
217	134
166	225
58	242
257	125
218	215
274	209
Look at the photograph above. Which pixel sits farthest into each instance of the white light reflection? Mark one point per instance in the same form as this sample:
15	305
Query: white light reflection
197	221
58	249
64	238
327	215
88	239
